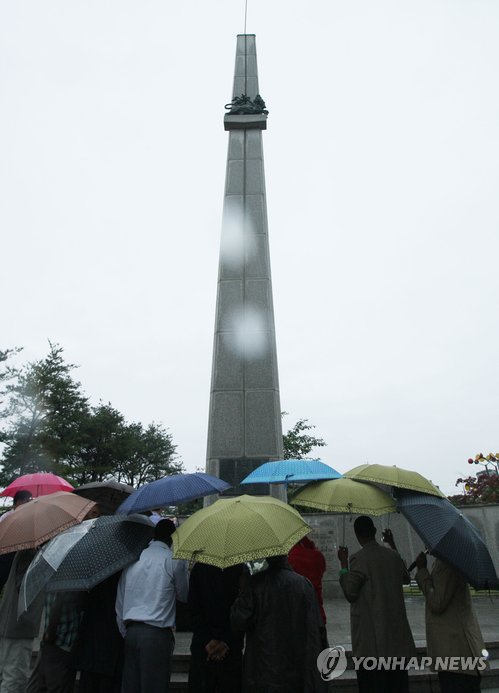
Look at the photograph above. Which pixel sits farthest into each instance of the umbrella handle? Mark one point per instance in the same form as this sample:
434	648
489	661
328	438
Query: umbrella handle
343	532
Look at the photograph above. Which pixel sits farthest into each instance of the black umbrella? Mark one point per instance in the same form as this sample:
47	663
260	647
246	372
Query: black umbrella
448	535
85	555
108	494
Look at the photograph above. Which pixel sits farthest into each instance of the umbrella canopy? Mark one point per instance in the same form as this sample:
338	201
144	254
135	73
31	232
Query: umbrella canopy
83	556
449	536
393	476
172	490
345	496
40	519
284	471
240	529
39	484
108	494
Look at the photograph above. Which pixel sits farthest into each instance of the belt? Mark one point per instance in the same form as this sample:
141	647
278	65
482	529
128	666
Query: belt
141	623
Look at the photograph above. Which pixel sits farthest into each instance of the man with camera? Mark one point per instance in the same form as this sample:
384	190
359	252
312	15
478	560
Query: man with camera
373	584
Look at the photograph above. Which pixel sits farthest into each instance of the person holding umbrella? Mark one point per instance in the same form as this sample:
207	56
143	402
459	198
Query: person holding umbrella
17	634
279	612
373	584
145	611
452	628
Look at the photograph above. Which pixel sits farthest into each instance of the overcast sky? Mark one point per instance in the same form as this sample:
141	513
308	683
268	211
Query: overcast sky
382	171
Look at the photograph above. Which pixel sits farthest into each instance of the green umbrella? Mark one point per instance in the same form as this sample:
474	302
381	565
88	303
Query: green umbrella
345	496
240	529
393	476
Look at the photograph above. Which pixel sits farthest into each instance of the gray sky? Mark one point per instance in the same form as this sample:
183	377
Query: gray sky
382	169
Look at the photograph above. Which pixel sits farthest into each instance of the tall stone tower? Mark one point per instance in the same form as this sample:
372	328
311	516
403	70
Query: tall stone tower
244	427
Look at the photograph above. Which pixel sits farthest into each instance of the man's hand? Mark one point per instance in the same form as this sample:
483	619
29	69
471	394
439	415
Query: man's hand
343	556
216	650
388	538
420	561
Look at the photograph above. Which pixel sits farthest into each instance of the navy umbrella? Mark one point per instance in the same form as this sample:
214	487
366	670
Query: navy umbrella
172	490
448	535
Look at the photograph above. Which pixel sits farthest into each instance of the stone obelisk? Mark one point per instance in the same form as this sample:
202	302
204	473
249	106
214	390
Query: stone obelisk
244	428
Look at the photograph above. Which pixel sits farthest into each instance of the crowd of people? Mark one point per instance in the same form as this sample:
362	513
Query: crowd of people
252	631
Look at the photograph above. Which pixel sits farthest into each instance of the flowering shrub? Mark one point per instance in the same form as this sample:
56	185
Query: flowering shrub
483	488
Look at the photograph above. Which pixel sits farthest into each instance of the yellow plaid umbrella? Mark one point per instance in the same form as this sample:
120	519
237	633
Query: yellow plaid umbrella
345	496
239	529
393	476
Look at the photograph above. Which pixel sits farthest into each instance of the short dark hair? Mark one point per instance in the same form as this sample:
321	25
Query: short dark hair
164	530
22	497
364	527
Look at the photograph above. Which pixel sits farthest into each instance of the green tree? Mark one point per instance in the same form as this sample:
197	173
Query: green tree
297	442
100	445
52	427
46	407
147	454
7	373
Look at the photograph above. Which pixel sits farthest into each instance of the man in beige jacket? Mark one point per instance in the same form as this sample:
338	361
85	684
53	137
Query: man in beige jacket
378	620
452	629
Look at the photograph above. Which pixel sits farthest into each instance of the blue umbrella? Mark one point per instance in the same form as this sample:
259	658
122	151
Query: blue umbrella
172	490
285	471
450	536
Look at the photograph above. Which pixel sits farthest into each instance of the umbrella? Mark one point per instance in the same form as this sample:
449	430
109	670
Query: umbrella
393	476
41	519
39	484
172	490
240	529
108	494
449	536
83	556
284	471
345	496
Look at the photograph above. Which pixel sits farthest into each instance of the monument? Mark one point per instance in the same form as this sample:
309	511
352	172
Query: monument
244	428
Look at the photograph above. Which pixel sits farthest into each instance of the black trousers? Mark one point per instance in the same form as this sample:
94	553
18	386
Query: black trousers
148	653
214	677
382	681
56	673
455	682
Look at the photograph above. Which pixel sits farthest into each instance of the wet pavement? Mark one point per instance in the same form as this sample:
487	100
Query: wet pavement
338	621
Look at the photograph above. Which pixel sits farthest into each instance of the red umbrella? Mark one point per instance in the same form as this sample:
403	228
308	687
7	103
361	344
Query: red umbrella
40	484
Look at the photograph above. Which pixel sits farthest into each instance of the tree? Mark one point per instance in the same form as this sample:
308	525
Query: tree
297	443
7	373
46	407
147	454
52	427
100	444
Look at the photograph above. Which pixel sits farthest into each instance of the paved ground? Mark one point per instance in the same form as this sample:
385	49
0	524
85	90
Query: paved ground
338	621
338	617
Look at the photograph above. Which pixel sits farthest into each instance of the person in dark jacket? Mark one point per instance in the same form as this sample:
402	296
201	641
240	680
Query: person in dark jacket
216	651
17	634
99	648
279	612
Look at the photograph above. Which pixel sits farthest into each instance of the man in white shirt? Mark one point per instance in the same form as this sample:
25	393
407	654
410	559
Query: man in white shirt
145	610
